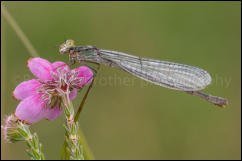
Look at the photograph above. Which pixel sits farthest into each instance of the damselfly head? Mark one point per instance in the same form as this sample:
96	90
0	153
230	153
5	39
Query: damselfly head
65	47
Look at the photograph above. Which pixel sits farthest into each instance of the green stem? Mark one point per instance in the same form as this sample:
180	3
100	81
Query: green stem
72	137
86	150
32	141
24	39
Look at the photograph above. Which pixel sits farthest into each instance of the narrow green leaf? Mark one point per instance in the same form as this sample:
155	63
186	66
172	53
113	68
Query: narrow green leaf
22	132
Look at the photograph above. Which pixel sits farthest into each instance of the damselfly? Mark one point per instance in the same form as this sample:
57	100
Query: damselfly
167	74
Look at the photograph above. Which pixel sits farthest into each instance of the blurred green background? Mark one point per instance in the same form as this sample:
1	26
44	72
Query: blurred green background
125	117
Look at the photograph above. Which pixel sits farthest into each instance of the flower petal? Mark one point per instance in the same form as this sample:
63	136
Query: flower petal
26	89
31	109
85	74
61	65
41	68
73	94
52	113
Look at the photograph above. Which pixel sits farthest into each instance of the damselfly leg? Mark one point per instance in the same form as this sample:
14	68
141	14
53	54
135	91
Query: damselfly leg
86	94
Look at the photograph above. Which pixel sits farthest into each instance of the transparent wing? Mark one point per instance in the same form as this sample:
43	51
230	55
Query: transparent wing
167	74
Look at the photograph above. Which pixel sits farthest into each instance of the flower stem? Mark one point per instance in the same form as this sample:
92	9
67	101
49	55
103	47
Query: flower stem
72	137
32	141
87	154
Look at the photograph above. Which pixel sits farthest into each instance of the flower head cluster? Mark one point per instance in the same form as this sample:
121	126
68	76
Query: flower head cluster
41	97
15	130
10	129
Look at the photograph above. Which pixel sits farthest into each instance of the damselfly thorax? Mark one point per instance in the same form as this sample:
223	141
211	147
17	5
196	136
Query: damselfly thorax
164	73
88	54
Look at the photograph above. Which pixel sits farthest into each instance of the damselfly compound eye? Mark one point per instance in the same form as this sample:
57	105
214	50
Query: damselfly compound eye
69	43
65	47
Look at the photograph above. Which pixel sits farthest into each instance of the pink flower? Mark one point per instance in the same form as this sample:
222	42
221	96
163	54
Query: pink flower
41	98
